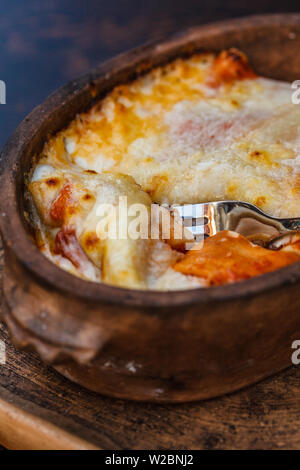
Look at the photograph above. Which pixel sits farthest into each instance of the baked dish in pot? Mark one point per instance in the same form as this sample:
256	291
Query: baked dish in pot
165	124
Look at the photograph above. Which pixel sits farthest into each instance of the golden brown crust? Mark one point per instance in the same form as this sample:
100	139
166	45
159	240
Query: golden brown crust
228	257
230	66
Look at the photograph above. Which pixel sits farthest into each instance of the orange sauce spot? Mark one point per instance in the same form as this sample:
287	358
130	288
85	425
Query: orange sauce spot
223	259
229	66
185	70
261	156
52	181
91	240
61	203
232	188
256	153
87	197
260	201
295	189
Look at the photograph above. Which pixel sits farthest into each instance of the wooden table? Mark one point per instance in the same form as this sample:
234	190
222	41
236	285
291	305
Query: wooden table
39	409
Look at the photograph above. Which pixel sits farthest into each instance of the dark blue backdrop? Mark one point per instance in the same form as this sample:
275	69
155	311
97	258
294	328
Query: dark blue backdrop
45	43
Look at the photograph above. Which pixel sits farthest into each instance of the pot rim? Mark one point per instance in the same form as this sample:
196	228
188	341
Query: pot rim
16	236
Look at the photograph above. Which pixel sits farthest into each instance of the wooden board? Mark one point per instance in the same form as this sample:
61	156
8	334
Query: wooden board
39	409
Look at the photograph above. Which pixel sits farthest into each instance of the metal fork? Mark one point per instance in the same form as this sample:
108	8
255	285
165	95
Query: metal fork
209	218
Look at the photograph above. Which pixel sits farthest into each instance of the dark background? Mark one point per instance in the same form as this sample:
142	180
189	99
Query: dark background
45	43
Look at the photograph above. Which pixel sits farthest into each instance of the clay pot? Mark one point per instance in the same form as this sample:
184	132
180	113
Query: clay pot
152	346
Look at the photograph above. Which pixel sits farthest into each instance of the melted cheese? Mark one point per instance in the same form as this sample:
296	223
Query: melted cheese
199	129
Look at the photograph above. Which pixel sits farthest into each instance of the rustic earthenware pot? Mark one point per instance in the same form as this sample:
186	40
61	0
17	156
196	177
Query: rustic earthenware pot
152	346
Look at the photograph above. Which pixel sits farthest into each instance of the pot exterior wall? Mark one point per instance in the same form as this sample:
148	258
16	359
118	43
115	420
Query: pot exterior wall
149	354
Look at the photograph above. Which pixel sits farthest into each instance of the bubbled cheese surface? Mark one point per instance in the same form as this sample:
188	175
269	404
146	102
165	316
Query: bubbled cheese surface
186	140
